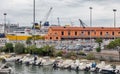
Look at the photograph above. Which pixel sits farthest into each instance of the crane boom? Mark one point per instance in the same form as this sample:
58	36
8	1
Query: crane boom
47	15
82	23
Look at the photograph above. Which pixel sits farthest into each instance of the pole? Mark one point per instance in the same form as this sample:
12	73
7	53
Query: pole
90	23
4	21
58	21
33	21
114	10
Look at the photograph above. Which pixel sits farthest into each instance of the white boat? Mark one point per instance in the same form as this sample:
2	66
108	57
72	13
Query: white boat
11	59
38	62
117	70
82	66
75	65
65	64
47	61
4	69
107	69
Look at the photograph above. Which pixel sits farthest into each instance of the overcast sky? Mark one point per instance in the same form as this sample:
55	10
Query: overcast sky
20	11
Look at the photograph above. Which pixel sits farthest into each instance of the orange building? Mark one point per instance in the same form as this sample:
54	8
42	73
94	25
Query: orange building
62	33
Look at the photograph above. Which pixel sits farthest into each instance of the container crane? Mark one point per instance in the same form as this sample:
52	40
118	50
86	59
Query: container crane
82	23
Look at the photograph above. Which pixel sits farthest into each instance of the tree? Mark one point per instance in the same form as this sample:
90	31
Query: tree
99	41
115	45
28	41
9	47
19	48
49	50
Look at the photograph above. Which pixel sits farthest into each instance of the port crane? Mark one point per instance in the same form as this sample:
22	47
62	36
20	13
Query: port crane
46	17
82	24
44	22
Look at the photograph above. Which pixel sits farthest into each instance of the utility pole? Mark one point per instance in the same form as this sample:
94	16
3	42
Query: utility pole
114	10
5	22
33	21
58	21
90	23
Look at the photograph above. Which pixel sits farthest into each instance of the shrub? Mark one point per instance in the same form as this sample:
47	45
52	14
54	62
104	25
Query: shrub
98	49
90	56
70	54
81	53
48	50
59	53
19	48
8	47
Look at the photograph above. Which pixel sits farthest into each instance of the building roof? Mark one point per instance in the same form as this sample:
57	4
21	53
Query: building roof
58	28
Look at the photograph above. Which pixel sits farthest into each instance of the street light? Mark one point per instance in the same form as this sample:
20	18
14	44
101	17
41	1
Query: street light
4	21
90	22
33	20
114	10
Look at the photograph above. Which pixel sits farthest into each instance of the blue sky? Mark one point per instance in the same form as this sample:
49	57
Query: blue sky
20	11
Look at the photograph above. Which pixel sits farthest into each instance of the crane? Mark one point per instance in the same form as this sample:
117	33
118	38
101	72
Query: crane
46	17
82	23
58	21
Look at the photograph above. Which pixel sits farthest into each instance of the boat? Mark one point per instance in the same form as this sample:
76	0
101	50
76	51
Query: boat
4	69
24	34
19	35
47	61
106	69
11	59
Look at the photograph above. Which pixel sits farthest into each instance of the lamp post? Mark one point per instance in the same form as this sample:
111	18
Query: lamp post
114	10
33	21
90	23
4	21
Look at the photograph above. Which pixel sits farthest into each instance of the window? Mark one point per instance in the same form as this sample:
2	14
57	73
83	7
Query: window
50	38
88	32
75	33
68	32
95	33
62	33
82	32
56	37
100	33
118	32
112	33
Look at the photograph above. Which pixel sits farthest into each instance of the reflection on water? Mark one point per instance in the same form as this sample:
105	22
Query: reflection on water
22	69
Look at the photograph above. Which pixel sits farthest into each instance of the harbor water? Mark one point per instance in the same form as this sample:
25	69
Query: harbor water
23	69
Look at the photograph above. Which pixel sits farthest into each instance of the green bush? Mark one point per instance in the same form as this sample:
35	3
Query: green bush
81	53
8	47
59	53
19	48
48	50
98	49
70	54
90	56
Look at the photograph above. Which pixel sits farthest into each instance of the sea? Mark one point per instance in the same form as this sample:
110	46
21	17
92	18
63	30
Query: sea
23	69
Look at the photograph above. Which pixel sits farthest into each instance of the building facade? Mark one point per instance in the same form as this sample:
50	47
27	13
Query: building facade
63	33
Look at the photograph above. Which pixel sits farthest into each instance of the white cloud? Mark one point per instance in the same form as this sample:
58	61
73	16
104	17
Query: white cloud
20	11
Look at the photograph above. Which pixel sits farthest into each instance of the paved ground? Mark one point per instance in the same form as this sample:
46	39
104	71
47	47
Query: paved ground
108	55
